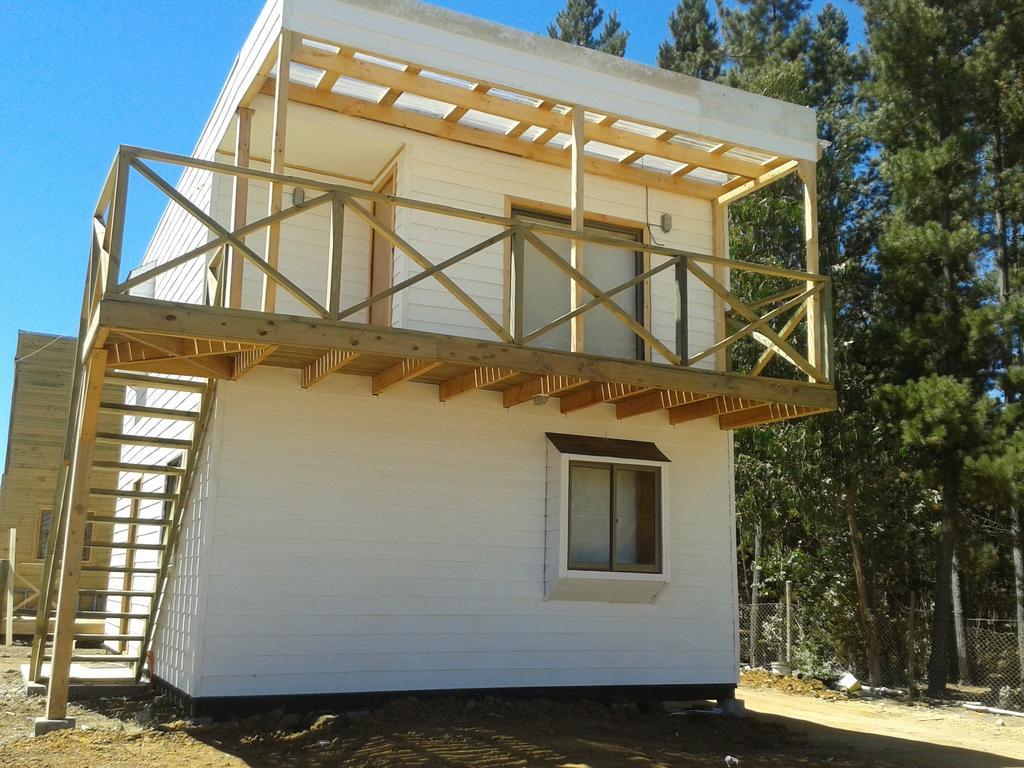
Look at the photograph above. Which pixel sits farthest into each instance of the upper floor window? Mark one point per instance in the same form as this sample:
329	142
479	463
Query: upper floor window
546	292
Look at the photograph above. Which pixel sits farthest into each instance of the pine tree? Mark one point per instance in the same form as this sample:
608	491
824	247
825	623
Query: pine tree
933	293
760	33
694	47
579	23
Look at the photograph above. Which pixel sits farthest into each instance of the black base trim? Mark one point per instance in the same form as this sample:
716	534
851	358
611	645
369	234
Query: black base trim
226	707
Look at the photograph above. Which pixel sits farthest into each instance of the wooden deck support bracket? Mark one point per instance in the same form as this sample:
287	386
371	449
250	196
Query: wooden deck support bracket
484	376
400	372
325	365
542	386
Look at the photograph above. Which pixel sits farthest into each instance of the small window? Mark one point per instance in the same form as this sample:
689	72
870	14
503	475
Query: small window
44	532
614	517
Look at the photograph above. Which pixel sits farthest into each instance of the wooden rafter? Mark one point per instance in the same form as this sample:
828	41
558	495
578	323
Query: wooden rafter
535	150
739	188
400	372
326	364
478	378
597	394
763	414
655	401
711	406
542	386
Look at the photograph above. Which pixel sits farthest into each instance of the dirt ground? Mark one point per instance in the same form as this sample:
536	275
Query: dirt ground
809	727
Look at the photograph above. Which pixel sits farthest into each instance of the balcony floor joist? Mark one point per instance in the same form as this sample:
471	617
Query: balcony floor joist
297	342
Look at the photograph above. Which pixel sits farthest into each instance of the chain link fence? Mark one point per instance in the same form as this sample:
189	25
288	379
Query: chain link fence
987	669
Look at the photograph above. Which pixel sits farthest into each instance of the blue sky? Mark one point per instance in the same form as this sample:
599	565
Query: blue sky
81	78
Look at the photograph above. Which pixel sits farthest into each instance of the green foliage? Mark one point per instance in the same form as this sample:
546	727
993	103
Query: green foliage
580	23
693	47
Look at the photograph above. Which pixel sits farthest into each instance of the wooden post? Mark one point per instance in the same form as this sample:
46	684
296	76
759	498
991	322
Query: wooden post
239	203
115	222
334	259
682	313
808	174
518	283
284	55
6	575
720	249
74	541
578	221
911	645
789	621
12	563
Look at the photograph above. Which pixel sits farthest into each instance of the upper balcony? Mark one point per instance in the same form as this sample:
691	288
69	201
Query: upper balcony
409	219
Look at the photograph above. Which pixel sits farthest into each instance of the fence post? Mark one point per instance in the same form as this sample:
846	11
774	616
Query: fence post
911	645
5	603
789	622
755	623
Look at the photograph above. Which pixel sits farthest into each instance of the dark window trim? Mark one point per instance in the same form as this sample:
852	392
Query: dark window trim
588	445
613	566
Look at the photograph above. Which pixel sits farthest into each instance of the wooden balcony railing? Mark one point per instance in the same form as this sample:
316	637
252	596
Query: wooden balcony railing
791	324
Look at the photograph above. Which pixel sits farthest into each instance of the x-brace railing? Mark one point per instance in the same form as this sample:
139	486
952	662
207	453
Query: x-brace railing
757	320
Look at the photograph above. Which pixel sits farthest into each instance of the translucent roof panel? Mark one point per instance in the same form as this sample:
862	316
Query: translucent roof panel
749	155
357	89
689	141
317	45
518	98
377	60
707	175
487	122
643	130
448	80
606	151
303	75
560	141
425	106
660	164
531	133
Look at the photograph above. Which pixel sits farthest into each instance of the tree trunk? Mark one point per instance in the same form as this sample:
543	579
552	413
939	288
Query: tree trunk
938	662
867	619
962	652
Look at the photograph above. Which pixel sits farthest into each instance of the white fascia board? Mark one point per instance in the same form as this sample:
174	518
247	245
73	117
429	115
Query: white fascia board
448	41
244	70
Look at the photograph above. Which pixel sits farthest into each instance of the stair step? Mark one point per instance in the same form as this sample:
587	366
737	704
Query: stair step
123	545
128	520
117	592
154	382
143	469
148	412
117	569
130	494
146	440
110	615
105	658
102	638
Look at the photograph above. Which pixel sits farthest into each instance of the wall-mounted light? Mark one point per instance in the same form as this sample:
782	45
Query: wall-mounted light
540	399
298	196
666	222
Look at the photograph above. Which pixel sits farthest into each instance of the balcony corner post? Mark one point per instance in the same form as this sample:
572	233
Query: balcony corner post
807	170
720	249
115	223
578	222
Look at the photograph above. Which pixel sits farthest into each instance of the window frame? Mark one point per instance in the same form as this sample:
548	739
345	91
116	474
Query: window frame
516	208
40	544
613	567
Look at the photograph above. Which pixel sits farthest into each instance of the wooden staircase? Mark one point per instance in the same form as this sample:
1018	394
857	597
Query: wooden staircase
136	484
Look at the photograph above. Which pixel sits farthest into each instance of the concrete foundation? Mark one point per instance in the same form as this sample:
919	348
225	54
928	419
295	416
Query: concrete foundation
44	726
732	707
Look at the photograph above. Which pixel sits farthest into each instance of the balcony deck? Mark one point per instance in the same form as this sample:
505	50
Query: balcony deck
217	339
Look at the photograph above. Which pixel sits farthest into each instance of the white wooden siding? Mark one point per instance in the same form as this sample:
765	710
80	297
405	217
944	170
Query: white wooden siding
354	543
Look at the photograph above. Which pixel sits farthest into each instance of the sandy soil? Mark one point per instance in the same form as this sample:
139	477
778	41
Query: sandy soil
784	729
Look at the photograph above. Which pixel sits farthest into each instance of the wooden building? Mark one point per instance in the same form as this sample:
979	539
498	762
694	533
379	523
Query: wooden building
40	399
427	370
